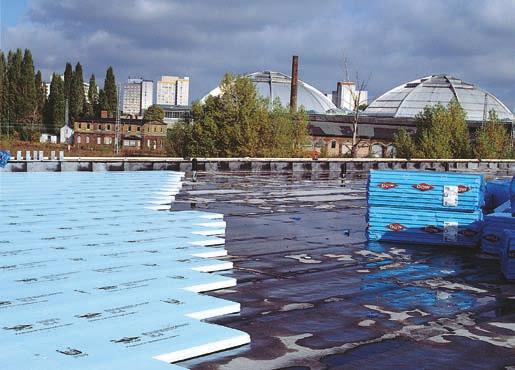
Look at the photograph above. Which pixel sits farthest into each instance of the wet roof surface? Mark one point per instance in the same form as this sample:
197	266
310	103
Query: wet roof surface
314	298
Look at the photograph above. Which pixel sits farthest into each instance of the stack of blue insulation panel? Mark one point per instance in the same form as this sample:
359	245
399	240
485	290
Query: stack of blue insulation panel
494	227
425	207
507	254
496	223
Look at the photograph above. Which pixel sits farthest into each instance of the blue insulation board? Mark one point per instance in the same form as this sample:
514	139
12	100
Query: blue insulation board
508	255
97	273
425	207
494	226
424	226
497	192
425	190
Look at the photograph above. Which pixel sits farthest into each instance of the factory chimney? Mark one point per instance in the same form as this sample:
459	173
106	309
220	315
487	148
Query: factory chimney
294	83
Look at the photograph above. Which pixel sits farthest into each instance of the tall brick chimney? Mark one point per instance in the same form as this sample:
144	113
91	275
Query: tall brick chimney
294	83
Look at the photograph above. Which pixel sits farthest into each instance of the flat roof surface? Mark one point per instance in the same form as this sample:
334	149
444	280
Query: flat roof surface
316	297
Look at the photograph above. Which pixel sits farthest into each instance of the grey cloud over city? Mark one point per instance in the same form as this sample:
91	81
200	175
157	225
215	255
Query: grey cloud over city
388	42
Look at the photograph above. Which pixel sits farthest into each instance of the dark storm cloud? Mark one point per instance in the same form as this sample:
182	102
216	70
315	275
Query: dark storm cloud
391	41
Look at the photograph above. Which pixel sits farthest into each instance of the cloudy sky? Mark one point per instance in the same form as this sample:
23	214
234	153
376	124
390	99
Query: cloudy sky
387	41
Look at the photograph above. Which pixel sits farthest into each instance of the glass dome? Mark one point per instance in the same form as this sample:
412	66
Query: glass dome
409	99
272	85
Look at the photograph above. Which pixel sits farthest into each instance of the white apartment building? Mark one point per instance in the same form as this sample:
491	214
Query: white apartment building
173	90
137	96
346	95
86	89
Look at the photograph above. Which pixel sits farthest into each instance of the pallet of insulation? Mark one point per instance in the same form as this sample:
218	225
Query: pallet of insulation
426	190
495	225
507	255
425	207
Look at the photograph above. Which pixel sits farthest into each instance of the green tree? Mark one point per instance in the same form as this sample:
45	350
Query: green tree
76	102
40	95
54	109
403	143
442	132
492	140
14	92
154	113
68	78
28	97
3	88
92	106
111	99
238	123
460	135
102	103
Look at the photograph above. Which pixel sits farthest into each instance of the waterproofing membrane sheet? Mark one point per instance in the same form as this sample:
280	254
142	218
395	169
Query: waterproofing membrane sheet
97	273
425	207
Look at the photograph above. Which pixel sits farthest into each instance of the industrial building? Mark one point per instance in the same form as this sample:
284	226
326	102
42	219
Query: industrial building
398	108
275	85
134	134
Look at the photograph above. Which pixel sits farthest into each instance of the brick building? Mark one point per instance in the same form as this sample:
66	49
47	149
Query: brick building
135	134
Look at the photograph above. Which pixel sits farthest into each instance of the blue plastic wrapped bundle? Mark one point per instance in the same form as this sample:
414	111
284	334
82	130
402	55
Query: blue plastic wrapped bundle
508	255
425	207
497	192
494	226
426	190
424	226
512	196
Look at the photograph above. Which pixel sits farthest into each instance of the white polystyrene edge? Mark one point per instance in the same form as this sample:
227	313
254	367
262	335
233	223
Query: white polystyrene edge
211	216
214	267
159	208
208	243
212	224
204	349
168	200
210	232
215	253
227	283
232	307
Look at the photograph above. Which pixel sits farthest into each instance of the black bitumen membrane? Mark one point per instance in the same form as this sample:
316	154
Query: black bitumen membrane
315	294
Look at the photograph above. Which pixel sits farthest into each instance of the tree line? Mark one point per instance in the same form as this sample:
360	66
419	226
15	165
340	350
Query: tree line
442	132
239	123
25	108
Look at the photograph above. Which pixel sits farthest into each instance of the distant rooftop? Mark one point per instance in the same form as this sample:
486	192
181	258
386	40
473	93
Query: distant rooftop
272	85
409	99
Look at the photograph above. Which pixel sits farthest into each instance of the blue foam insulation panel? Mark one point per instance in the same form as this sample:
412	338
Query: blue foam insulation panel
494	226
507	254
425	207
497	192
97	273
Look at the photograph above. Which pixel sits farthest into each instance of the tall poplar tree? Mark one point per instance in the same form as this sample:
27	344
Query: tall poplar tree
54	109
76	102
110	92
40	95
102	103
13	94
92	106
28	98
68	77
3	85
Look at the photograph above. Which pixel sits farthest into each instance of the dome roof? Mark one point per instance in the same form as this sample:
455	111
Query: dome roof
273	85
409	99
